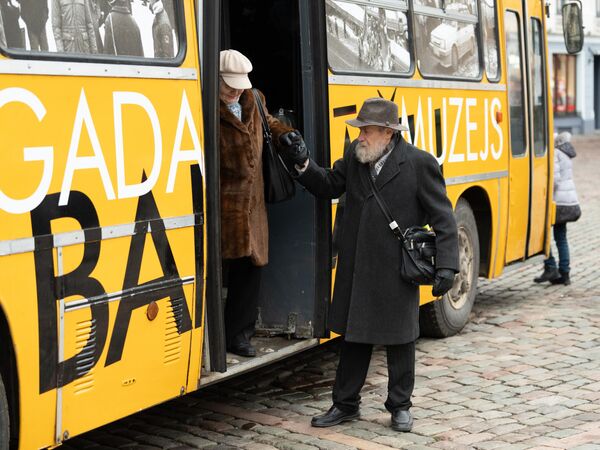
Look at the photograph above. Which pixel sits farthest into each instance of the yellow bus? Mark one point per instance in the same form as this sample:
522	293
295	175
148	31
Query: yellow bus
111	298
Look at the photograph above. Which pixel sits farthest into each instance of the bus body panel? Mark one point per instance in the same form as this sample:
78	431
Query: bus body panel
104	277
98	228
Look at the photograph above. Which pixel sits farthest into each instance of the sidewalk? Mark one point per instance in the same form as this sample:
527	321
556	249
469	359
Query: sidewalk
524	374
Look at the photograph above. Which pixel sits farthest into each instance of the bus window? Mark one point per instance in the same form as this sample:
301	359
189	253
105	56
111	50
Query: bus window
446	39
90	29
490	39
539	94
367	38
515	84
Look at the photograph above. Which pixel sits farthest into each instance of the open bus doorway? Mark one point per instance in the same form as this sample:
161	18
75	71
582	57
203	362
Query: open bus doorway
296	284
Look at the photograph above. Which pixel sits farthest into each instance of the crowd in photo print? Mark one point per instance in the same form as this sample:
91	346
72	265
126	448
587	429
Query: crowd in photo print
141	28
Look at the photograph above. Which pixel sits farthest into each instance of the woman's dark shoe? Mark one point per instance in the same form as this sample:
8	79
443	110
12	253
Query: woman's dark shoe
334	416
242	349
402	421
549	274
564	278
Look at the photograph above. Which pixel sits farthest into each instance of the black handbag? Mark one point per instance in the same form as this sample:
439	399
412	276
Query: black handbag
567	213
417	247
279	184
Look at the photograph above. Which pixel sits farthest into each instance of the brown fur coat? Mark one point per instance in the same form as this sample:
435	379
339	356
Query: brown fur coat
244	227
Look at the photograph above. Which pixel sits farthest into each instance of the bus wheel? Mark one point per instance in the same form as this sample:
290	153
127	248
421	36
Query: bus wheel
447	316
4	418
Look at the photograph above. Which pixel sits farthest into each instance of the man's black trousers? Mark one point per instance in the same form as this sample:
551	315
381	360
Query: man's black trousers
352	372
243	287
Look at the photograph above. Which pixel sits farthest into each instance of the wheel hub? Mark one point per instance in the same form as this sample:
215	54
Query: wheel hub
459	293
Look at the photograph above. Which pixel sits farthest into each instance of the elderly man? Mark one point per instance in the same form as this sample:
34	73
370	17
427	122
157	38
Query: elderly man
371	303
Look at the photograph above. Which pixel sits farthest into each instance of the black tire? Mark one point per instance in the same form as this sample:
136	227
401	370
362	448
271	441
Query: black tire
447	316
4	418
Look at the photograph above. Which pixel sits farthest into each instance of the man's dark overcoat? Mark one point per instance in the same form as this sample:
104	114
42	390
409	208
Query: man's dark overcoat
371	304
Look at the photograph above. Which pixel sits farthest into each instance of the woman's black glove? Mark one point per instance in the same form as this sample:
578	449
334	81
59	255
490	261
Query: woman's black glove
444	279
293	148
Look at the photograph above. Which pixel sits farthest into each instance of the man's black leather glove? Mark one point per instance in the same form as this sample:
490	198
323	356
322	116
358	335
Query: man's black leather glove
444	279
293	148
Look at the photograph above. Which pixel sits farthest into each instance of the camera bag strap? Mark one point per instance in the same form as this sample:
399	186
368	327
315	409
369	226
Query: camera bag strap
386	212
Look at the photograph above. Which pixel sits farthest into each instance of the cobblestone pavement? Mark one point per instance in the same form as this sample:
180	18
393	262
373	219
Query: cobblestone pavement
525	373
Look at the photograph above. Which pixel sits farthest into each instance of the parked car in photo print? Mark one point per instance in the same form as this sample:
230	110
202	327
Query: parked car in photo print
452	39
397	27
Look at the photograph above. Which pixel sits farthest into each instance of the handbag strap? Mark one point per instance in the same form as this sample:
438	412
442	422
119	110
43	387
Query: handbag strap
267	135
265	125
386	212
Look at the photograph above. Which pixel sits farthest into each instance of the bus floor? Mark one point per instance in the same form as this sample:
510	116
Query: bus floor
268	350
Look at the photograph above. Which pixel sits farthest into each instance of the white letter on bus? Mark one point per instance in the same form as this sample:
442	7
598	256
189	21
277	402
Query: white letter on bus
496	105
420	127
483	154
431	126
405	134
138	189
75	162
442	157
458	102
471	126
179	155
45	154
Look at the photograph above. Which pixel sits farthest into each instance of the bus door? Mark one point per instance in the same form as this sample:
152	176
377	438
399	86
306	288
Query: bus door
285	42
538	122
519	164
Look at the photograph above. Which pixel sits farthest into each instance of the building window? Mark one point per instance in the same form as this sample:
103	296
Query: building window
564	84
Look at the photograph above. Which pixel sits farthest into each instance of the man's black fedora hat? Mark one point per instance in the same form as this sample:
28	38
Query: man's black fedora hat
380	112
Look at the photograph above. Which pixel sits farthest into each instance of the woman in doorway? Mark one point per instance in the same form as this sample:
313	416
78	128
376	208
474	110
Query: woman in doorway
244	227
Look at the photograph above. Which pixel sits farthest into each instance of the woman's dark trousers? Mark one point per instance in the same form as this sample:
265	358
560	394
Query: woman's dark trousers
352	373
243	287
560	237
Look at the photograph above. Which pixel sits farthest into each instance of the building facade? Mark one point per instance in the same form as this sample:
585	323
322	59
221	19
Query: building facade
575	79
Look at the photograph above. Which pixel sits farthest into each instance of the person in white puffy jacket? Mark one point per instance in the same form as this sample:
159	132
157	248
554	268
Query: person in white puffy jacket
567	210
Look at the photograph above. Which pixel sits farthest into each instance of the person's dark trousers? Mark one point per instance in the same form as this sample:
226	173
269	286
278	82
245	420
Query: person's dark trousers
352	373
243	286
38	41
560	237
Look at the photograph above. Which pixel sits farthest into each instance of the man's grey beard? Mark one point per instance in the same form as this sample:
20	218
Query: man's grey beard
366	154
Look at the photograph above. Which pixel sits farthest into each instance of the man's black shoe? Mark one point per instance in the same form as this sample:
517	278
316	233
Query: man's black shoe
242	349
402	421
334	416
